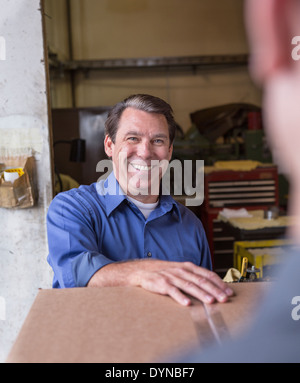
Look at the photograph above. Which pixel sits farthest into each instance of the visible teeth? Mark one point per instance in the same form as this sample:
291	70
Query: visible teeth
141	167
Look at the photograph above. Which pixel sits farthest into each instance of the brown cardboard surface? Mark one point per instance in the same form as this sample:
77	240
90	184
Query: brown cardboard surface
120	325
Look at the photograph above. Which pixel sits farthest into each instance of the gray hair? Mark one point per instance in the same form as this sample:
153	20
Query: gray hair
144	102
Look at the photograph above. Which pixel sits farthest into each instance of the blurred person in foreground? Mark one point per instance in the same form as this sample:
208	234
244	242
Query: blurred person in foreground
272	26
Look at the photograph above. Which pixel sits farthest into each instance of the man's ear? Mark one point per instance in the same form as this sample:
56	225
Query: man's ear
108	145
270	27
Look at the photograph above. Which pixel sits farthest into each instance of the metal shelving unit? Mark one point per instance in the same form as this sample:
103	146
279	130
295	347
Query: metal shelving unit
193	62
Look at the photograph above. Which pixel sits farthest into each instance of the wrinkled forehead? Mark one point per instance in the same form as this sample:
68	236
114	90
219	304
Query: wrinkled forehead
143	123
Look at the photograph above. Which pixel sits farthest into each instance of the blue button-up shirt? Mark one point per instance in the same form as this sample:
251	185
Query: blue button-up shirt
95	225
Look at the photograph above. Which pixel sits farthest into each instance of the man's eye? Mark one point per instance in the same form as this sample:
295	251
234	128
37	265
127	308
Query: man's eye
132	138
158	141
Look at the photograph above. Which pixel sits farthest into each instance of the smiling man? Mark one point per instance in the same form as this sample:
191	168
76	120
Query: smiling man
122	231
140	153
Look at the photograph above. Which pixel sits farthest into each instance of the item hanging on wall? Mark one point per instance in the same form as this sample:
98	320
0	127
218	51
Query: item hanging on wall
18	188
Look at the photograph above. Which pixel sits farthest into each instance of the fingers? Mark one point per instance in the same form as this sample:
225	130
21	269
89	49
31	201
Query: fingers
208	288
183	279
210	276
158	283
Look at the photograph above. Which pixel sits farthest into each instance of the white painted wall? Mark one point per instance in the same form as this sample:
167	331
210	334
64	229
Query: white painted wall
23	128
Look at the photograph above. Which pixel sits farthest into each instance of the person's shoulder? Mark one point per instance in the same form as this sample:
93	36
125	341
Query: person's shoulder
81	191
85	196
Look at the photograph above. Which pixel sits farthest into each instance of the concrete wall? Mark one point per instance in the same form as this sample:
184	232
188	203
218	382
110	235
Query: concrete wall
107	29
24	128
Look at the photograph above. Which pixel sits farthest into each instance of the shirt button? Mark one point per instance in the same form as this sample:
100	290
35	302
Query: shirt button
149	254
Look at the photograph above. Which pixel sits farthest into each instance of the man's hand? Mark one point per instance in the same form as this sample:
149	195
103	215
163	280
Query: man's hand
175	279
178	279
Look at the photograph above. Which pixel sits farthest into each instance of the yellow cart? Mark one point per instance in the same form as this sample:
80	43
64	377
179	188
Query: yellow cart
260	253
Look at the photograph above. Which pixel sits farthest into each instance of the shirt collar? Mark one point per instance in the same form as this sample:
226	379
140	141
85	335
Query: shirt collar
114	196
112	192
167	203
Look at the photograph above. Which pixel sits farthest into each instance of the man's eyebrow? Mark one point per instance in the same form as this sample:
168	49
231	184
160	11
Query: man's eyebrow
140	134
160	135
133	133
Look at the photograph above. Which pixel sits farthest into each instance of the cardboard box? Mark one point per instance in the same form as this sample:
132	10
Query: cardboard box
121	325
22	193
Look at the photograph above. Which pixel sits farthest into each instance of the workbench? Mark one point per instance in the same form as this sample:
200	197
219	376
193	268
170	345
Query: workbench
124	324
256	226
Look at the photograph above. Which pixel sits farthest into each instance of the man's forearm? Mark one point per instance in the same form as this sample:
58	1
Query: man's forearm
124	273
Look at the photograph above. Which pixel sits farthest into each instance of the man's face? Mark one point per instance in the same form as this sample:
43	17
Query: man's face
142	142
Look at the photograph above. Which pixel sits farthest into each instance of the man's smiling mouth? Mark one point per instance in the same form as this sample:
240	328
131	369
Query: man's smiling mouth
141	167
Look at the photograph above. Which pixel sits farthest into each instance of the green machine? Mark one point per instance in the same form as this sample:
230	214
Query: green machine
224	133
227	133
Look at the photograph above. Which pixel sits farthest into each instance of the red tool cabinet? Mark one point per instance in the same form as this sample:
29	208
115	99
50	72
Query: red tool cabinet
254	190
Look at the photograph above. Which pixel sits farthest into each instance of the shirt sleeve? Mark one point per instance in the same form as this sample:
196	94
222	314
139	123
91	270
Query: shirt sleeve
206	260
73	246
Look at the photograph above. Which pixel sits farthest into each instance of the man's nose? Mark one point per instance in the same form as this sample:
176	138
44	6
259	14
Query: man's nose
145	149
